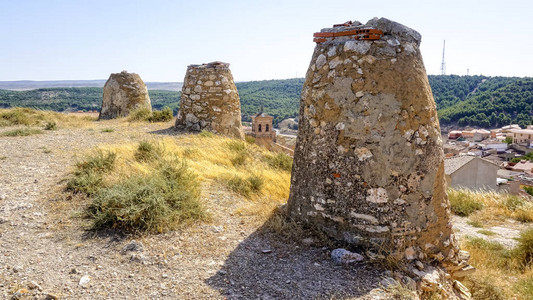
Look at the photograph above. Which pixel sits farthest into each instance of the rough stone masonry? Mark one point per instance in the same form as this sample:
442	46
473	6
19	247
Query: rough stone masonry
210	101
368	164
123	92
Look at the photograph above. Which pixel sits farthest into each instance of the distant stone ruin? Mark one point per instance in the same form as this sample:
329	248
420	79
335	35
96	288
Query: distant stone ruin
210	101
368	165
123	92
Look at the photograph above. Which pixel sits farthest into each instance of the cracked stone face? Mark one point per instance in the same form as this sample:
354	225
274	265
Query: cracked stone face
210	101
123	92
368	164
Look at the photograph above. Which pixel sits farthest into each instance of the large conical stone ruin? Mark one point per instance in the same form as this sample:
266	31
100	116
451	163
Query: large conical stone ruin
210	101
123	92
368	164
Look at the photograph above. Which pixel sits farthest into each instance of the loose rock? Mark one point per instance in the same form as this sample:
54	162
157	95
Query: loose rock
342	256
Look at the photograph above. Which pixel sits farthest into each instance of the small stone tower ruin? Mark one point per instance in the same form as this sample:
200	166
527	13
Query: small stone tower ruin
123	92
210	101
262	126
368	164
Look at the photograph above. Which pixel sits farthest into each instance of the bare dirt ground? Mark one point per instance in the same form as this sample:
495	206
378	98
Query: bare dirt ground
45	250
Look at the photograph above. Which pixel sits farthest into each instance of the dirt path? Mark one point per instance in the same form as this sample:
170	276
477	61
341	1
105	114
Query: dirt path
45	252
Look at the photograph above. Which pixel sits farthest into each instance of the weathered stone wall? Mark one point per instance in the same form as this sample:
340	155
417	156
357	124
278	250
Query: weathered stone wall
123	92
210	101
368	165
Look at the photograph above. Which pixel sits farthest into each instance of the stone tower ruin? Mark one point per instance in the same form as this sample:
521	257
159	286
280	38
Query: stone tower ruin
123	92
210	101
368	164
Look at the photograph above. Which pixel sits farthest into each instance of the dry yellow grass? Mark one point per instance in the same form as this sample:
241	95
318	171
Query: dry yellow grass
495	207
212	159
34	117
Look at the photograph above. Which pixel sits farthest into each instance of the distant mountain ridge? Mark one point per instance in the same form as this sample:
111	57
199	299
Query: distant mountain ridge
25	85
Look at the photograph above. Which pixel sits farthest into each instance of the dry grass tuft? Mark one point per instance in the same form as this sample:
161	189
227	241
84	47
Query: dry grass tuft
490	207
34	117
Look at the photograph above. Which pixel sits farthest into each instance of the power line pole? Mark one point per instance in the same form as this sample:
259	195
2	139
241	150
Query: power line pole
443	64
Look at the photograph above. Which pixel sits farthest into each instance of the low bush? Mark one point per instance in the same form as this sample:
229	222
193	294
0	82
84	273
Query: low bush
245	186
279	161
139	114
240	152
147	151
50	126
164	115
108	130
156	202
462	203
88	176
22	132
524	250
249	139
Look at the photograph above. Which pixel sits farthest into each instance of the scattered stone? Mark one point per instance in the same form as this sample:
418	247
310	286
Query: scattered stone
32	285
408	282
84	281
123	92
388	282
463	255
51	297
410	253
419	265
308	241
3	197
17	269
462	273
342	256
462	290
207	107
73	271
266	251
139	258
133	246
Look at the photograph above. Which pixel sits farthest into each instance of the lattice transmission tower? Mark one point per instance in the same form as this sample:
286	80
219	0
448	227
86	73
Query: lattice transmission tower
443	64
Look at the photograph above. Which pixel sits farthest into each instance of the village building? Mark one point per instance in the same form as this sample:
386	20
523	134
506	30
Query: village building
524	166
454	134
522	136
262	126
499	147
471	172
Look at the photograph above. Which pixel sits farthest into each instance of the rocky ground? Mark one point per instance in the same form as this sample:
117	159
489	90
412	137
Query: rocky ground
45	252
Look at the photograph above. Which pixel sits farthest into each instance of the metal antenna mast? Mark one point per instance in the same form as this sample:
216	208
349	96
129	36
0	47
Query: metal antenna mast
443	64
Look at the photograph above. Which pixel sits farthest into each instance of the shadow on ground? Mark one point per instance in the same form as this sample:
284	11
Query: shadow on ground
264	267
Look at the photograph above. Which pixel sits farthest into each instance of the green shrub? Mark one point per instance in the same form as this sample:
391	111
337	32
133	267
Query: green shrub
240	151
139	114
147	151
524	249
50	126
22	132
108	130
249	139
256	182
245	186
529	190
156	203
513	202
280	161
462	204
88	177
161	115
483	244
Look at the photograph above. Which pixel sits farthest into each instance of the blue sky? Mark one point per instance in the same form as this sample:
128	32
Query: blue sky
76	39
